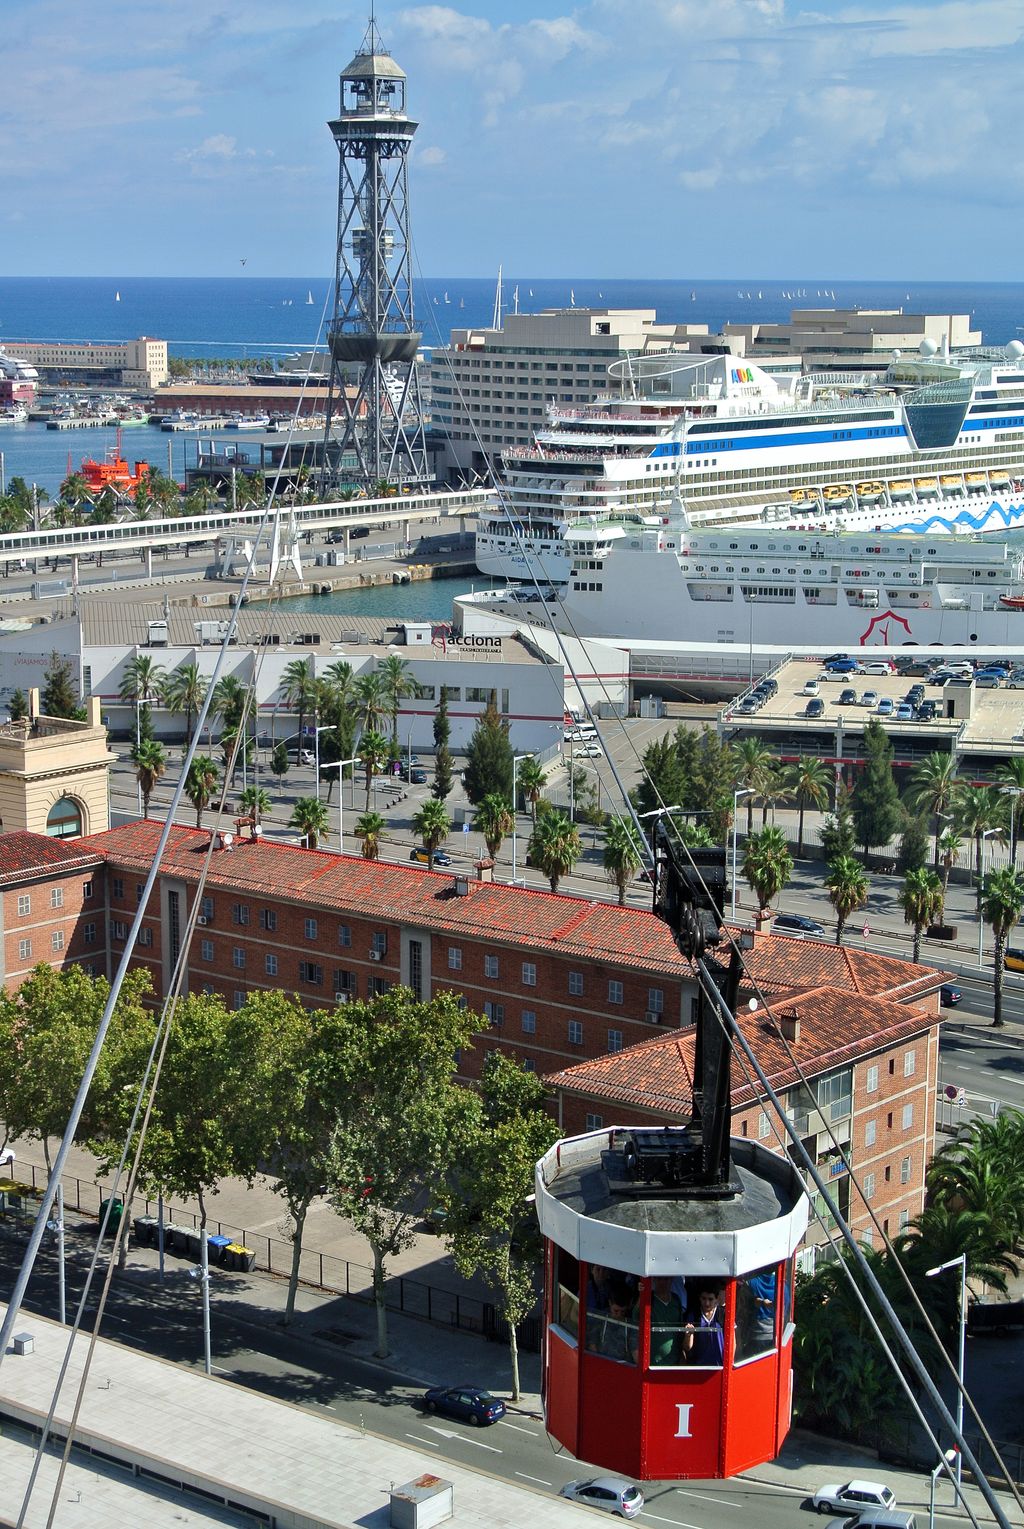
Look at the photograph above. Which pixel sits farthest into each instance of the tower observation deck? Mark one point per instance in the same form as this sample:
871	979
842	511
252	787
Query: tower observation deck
373	407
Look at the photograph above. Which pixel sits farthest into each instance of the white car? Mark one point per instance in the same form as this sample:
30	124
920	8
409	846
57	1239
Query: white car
852	1497
611	1494
588	750
812	687
869	698
878	666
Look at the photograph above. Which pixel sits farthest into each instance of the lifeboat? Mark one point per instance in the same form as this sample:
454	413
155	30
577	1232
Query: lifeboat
951	483
975	481
869	493
1012	602
797	495
998	477
901	489
926	485
834	492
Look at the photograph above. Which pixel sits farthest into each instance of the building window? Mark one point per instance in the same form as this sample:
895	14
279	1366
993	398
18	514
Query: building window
57	940
238	958
310	972
118	929
655	1000
344	983
869	1186
454	958
86	890
206	909
575	1032
614	991
495	1012
377	987
89	934
118	886
239	913
270	964
909	1063
763	1126
310	928
904	1220
908	1116
490	966
905	1171
268	919
576	984
344	934
64	820
593	1122
24	950
529	974
56	897
380	944
529	1065
239	999
206	950
139	889
416	969
528	1019
871	1081
24	906
144	937
614	1040
869	1134
207	989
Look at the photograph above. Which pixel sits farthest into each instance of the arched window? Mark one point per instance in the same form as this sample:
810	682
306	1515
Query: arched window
64	819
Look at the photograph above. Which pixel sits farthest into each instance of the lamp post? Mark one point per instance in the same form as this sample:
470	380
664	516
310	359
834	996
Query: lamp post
989	832
951	1457
328	727
517	760
339	764
1012	792
951	1263
740	791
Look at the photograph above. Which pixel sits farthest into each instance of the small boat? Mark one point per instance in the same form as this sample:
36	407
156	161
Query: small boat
114	472
926	485
998	477
951	483
117	297
869	492
975	481
309	299
836	492
1012	602
17	414
900	488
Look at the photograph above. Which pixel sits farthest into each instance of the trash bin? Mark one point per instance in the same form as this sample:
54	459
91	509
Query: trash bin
216	1248
193	1244
246	1259
146	1231
114	1219
175	1238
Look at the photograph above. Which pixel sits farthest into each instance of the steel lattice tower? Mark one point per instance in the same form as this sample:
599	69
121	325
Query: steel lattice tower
373	406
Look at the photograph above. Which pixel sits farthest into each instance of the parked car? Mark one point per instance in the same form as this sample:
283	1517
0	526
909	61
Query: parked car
589	751
869	698
928	711
798	924
904	712
876	1518
949	995
915	694
878	666
839	1497
1016	680
847	697
769	686
745	708
811	687
842	666
469	1404
886	706
992	667
417	776
814	708
987	681
612	1494
420	855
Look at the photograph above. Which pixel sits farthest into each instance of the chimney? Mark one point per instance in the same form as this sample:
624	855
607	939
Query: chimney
484	870
789	1025
33	704
92	711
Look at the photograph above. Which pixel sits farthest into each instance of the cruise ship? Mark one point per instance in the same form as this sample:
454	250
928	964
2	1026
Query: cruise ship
796	586
936	445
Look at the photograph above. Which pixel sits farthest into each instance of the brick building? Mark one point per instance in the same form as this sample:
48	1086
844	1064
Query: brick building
52	905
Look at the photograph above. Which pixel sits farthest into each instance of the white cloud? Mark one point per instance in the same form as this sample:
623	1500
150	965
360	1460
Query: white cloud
218	147
431	156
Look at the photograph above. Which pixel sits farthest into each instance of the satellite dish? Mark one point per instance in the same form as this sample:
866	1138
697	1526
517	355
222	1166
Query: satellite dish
928	347
1014	350
896	355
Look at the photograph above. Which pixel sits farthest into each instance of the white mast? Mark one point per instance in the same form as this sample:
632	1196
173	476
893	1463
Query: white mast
496	318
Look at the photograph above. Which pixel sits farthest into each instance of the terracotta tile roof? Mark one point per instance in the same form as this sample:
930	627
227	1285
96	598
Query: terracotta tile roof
781	964
26	854
836	1029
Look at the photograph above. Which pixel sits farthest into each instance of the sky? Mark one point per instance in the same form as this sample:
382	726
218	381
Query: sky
619	138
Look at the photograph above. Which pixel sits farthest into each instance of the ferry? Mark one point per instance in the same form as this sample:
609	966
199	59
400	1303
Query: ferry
667	580
113	472
936	444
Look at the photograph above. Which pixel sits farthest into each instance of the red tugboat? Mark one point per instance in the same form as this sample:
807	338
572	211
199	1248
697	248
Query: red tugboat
114	472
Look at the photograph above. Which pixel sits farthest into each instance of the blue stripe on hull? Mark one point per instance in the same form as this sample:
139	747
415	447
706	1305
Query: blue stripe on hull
1012	516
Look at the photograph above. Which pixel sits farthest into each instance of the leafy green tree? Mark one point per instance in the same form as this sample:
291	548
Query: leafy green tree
921	901
494	820
489	758
373	751
555	847
663	782
1002	904
298	689
914	843
309	816
13	516
404	1120
876	800
150	765
185	692
201	783
372	829
443	772
932	787
279	761
847	887
486	1199
18	705
711	784
981	1171
398	683
767	865
59	696
837	831
624	854
531	780
432	825
255	801
810	782
979	813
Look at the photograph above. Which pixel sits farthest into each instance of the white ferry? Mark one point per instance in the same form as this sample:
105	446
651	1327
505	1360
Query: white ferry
799	587
938	445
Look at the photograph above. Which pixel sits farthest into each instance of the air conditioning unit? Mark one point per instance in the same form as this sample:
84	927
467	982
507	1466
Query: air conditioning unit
376	955
202	921
343	997
652	1017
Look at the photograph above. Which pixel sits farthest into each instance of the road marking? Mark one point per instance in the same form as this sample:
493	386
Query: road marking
680	1523
450	1433
518	1427
538	1479
432	1442
725	1501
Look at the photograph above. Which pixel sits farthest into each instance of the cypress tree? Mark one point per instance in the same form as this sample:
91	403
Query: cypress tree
489	758
877	809
58	697
442	754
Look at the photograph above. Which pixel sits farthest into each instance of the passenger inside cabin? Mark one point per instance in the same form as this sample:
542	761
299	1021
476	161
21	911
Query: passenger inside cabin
704	1334
667	1333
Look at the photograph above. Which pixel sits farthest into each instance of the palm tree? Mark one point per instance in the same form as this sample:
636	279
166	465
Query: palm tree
531	781
373	751
339	684
142	683
774	789
555	847
949	845
310	818
978	810
1011	780
753	764
810	781
150	764
370	828
185	691
398	683
254	801
297	691
847	886
201	783
433	825
371	700
624	854
921	900
767	865
494	820
1001	907
932	788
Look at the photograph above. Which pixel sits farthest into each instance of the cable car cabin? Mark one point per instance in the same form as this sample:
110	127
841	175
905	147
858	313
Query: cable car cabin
668	1316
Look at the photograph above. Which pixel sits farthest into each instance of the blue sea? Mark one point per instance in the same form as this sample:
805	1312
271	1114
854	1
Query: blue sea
247	317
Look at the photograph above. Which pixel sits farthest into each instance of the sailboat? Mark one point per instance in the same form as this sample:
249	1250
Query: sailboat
447	298
309	299
572	298
117	297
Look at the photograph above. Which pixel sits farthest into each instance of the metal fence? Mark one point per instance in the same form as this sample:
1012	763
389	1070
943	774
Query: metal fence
322	1271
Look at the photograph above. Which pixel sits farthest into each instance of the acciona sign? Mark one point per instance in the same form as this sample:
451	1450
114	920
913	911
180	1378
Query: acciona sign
442	636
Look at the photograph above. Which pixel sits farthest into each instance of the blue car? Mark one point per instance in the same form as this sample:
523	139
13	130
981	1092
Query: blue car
842	666
949	995
469	1404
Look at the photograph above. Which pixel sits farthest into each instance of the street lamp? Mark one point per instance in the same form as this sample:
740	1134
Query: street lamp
1012	792
988	834
517	760
951	1263
951	1457
740	791
339	764
328	727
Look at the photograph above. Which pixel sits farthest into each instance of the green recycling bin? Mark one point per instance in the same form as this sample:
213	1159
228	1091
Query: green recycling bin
114	1220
